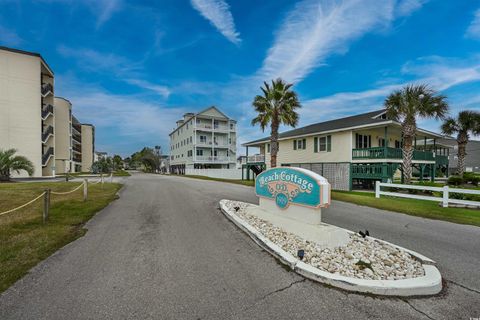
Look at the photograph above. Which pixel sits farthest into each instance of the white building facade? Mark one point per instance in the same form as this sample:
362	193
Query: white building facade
205	140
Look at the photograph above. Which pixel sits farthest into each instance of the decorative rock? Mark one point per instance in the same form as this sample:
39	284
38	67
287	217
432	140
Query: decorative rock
387	262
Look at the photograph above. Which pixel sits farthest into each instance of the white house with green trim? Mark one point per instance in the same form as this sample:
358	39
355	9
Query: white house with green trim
351	151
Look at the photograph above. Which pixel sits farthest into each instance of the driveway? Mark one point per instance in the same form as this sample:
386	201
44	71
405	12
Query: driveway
164	251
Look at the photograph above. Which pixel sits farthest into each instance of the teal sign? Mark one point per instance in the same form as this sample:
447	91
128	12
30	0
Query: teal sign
296	186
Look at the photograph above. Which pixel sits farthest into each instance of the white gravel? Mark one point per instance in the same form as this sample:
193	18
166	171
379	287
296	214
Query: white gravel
386	262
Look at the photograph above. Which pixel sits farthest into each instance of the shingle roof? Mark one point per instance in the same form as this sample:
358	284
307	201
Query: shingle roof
337	124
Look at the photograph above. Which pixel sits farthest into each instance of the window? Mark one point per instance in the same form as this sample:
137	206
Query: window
215	153
268	147
323	144
231	126
229	140
300	144
203	139
215	124
363	141
191	139
398	144
381	142
199	152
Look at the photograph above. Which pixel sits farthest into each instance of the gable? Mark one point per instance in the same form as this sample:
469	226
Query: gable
213	112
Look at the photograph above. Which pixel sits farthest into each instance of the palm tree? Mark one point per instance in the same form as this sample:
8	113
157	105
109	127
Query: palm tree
466	123
275	107
405	106
10	162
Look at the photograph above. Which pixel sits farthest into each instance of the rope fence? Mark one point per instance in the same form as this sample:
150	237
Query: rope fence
47	193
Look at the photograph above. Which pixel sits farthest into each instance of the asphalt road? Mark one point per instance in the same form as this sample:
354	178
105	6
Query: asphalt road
164	251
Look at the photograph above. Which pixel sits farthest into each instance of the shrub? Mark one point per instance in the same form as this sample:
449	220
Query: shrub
468	176
455	180
475	180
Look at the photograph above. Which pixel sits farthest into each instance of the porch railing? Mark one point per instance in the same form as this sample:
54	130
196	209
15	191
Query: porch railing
389	153
256	158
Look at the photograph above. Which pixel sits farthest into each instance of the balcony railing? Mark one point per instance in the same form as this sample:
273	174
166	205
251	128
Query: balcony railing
374	170
76	148
214	159
77	138
47	88
47	133
389	153
256	158
46	156
210	127
46	111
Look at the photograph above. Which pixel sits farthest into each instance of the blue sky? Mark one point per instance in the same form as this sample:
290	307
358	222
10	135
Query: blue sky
133	68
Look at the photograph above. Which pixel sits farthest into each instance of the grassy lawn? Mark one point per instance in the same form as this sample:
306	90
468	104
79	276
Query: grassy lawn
419	208
414	207
25	240
121	173
249	183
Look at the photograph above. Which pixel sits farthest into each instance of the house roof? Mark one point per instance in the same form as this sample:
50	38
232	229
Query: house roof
361	120
196	114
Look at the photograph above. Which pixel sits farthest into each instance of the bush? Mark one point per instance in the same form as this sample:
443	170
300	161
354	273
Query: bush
455	180
475	180
468	176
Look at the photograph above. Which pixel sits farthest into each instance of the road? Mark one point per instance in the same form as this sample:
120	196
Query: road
164	251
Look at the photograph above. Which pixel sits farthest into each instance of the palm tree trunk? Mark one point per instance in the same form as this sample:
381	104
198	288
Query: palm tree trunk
407	152
274	143
462	146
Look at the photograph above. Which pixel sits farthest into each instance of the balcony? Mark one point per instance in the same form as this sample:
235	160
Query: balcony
46	156
389	153
216	128
256	158
214	159
47	111
47	89
47	133
77	148
76	138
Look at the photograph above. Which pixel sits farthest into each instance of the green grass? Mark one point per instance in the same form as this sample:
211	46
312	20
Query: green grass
25	240
121	173
249	183
414	207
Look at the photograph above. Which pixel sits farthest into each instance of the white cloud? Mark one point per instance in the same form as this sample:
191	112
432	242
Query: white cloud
407	7
9	37
473	30
314	30
111	64
439	73
136	121
105	9
219	15
159	89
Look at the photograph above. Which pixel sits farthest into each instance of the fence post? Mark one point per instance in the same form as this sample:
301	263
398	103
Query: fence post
85	189
101	179
377	189
46	205
445	197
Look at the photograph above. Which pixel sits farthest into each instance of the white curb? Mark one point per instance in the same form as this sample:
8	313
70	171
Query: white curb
429	284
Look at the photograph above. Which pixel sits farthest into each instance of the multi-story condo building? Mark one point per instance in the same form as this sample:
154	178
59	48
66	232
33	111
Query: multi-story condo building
37	124
27	116
203	140
63	136
352	151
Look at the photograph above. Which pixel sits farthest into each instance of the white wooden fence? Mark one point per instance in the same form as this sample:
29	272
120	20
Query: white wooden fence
445	199
216	173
